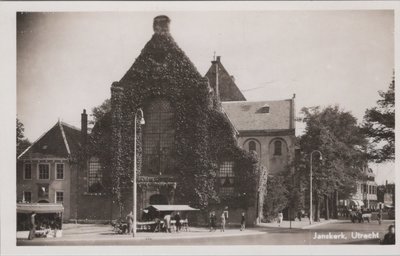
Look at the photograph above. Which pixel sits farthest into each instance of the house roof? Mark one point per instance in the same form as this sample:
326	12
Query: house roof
227	88
251	116
59	141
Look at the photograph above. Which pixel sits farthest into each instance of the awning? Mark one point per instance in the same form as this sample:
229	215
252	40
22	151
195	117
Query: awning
40	208
171	208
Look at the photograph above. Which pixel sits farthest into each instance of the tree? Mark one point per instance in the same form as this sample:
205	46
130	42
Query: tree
100	111
336	134
22	142
379	124
276	199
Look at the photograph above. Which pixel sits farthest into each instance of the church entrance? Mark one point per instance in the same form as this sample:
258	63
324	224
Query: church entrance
158	199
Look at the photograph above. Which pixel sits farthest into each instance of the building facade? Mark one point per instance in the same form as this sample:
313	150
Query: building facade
264	127
366	195
46	171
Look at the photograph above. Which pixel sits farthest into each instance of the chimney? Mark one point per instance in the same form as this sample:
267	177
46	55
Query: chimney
84	128
161	25
233	78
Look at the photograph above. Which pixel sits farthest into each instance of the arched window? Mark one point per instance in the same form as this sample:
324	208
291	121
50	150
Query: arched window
278	148
252	146
158	137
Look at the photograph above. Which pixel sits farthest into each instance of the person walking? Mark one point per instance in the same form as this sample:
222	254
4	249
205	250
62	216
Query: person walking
33	227
212	221
380	216
243	222
167	223
280	218
223	222
299	215
129	220
178	222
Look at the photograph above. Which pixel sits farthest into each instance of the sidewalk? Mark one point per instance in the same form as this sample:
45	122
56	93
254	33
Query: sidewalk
303	224
82	232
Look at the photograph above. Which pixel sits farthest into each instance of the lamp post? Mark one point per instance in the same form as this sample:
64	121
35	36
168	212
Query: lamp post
311	201
134	191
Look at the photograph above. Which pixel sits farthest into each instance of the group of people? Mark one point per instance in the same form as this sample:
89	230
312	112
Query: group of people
223	219
167	222
44	225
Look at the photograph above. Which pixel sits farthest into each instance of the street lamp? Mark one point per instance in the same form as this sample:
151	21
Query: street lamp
134	192
311	201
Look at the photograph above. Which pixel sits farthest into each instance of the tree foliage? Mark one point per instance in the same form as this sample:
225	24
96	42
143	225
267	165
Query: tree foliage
276	198
22	142
100	111
335	133
379	124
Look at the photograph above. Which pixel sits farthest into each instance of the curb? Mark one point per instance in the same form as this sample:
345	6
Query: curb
320	224
148	238
315	224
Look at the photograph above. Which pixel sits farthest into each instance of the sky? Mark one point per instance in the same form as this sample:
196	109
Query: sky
67	62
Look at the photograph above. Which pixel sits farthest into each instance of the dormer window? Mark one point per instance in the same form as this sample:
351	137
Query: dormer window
264	109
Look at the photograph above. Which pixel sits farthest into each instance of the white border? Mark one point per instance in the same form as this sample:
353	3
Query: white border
8	113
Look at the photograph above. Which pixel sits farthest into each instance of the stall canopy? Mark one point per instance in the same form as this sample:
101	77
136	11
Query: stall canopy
171	208
40	208
357	202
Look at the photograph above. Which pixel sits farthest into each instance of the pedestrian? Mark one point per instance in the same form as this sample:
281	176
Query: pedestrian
129	220
167	223
389	238
243	222
380	216
223	221
226	213
178	222
212	221
299	215
280	218
32	226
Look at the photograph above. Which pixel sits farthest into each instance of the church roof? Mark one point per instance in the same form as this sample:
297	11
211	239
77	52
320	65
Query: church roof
227	88
59	141
160	61
260	115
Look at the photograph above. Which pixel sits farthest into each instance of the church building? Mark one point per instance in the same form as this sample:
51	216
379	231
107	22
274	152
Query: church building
198	140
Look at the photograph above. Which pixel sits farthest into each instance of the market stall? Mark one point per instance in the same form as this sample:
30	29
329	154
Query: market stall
157	213
48	218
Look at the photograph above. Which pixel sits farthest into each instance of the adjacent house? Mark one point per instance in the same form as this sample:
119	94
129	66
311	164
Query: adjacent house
45	170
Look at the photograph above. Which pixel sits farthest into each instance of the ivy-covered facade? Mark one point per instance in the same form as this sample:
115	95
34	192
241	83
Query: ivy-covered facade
187	151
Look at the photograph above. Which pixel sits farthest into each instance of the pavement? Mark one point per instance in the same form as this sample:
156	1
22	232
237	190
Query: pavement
324	233
87	232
